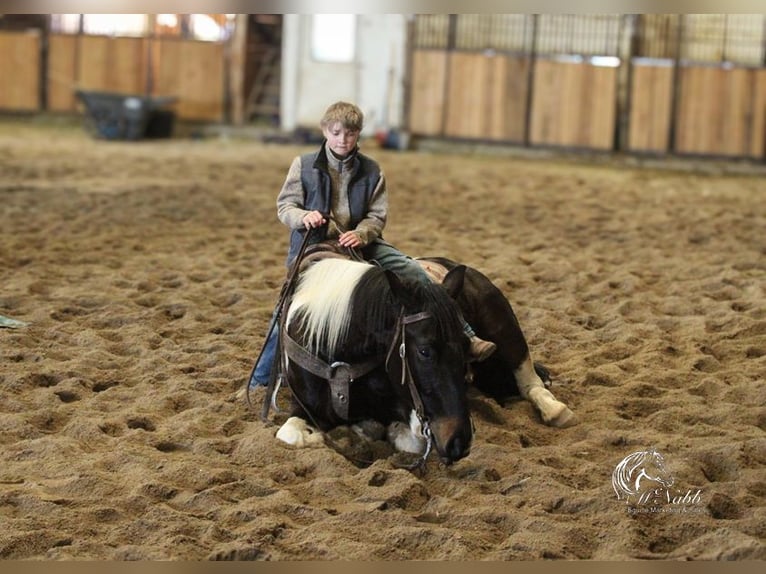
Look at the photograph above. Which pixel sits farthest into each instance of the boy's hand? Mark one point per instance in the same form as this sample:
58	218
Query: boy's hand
313	219
350	239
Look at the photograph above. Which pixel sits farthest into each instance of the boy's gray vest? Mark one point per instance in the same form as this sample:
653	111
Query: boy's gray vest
317	193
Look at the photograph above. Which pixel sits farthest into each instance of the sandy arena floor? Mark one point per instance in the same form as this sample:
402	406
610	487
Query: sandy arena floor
147	273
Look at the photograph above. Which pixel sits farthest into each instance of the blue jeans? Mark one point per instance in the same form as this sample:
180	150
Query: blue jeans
263	367
389	257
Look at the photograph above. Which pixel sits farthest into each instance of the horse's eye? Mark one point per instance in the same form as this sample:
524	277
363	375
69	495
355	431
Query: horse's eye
425	352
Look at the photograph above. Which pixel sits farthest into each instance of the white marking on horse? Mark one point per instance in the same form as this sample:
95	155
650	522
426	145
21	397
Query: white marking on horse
532	388
298	433
407	439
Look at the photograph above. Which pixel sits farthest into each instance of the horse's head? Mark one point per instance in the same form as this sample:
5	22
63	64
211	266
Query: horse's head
654	468
435	357
637	467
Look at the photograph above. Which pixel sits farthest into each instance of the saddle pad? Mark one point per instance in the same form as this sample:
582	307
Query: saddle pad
435	272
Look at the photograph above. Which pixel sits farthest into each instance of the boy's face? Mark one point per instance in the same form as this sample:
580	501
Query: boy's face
340	140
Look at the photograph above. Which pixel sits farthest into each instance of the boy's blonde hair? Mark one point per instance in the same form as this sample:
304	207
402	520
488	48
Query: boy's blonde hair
348	115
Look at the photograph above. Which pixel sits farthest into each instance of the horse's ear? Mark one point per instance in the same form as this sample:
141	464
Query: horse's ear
399	290
453	282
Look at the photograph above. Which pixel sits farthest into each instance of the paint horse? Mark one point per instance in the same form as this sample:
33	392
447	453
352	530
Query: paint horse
510	370
360	343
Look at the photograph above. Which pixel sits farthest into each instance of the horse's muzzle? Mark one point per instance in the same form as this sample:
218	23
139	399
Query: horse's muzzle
452	438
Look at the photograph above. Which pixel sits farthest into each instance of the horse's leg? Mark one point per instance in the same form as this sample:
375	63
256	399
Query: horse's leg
297	432
407	438
531	387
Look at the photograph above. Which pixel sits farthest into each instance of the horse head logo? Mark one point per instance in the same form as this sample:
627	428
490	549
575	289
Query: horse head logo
637	467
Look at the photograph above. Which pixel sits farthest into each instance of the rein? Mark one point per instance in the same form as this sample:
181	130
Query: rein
275	378
285	293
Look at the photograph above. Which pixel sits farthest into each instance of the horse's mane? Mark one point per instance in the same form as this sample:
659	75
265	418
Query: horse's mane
331	291
324	313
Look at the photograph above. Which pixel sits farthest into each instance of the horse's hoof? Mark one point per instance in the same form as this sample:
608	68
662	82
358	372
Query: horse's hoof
297	432
565	419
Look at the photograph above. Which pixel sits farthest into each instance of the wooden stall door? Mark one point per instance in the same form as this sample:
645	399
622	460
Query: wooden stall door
720	111
193	72
428	92
112	64
651	105
573	105
487	96
20	71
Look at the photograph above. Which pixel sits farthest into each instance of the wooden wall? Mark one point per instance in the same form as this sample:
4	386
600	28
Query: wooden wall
721	111
487	96
63	70
428	92
482	96
651	106
112	64
194	72
573	105
469	95
718	111
190	70
20	71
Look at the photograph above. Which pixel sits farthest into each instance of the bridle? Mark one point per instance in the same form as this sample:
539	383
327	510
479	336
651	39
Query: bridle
406	376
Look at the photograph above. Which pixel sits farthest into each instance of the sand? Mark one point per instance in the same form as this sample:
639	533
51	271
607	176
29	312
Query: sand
147	273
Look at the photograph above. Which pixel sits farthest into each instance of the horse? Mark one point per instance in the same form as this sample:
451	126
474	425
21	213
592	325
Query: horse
510	371
360	343
636	467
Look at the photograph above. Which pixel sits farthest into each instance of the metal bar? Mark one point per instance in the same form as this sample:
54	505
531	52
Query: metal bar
530	82
676	81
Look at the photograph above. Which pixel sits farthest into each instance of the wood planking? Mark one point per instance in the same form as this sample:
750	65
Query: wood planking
720	111
573	105
112	64
486	96
193	72
20	71
651	106
427	94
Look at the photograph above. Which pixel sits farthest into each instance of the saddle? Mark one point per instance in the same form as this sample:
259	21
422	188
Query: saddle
329	249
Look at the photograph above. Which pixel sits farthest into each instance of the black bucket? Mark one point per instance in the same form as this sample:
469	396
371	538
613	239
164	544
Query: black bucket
115	116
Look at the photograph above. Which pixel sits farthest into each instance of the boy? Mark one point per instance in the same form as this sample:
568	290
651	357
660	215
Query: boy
341	181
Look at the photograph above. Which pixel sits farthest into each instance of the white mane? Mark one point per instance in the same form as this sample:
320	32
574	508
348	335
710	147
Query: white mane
323	296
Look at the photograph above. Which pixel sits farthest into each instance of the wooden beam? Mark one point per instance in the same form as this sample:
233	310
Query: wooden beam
236	65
